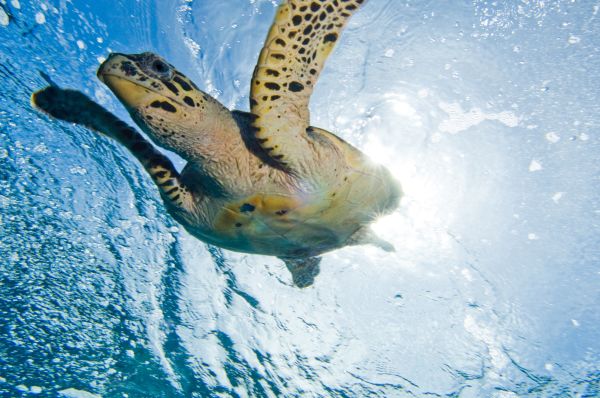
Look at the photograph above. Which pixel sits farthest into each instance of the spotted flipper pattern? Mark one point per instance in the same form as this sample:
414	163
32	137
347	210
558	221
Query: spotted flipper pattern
74	107
302	36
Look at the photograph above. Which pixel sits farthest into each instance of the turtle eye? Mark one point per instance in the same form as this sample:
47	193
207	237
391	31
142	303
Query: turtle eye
160	67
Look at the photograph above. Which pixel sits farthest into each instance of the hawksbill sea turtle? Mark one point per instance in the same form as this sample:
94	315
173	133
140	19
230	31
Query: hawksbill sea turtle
263	181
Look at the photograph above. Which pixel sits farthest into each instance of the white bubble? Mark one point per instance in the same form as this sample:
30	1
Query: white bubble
466	273
557	197
80	44
532	236
389	53
78	170
552	137
75	393
41	148
192	46
535	165
40	18
16	4
4	20
574	39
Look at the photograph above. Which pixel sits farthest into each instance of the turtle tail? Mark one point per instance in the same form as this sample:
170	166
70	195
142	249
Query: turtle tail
75	107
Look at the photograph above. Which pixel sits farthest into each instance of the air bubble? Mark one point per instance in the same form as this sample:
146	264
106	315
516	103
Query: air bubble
40	18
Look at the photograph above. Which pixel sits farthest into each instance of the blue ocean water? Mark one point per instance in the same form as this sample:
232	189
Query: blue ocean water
488	112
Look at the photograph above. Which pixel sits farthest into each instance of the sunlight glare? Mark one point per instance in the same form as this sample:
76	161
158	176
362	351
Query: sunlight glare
424	214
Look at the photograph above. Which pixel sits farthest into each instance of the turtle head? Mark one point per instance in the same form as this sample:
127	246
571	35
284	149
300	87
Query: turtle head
161	100
148	81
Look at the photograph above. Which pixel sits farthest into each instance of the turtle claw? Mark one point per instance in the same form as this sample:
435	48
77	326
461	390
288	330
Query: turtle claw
47	78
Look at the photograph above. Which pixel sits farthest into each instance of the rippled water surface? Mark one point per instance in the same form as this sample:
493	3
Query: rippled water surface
487	111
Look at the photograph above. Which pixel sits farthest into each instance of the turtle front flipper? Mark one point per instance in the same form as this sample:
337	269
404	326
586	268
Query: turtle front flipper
304	270
75	107
302	36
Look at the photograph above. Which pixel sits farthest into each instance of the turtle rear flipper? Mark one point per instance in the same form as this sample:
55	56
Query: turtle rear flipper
75	107
304	270
366	236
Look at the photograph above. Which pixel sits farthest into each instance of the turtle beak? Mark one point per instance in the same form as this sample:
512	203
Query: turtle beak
102	69
129	93
118	73
107	65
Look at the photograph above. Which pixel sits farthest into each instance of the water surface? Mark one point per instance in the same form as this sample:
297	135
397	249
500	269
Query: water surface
487	112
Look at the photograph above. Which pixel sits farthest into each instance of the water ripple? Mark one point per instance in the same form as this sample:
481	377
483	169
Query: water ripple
493	288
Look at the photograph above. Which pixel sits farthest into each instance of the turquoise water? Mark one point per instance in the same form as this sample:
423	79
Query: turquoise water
487	112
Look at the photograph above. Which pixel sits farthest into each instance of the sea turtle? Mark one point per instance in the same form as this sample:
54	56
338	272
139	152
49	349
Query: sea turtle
262	182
